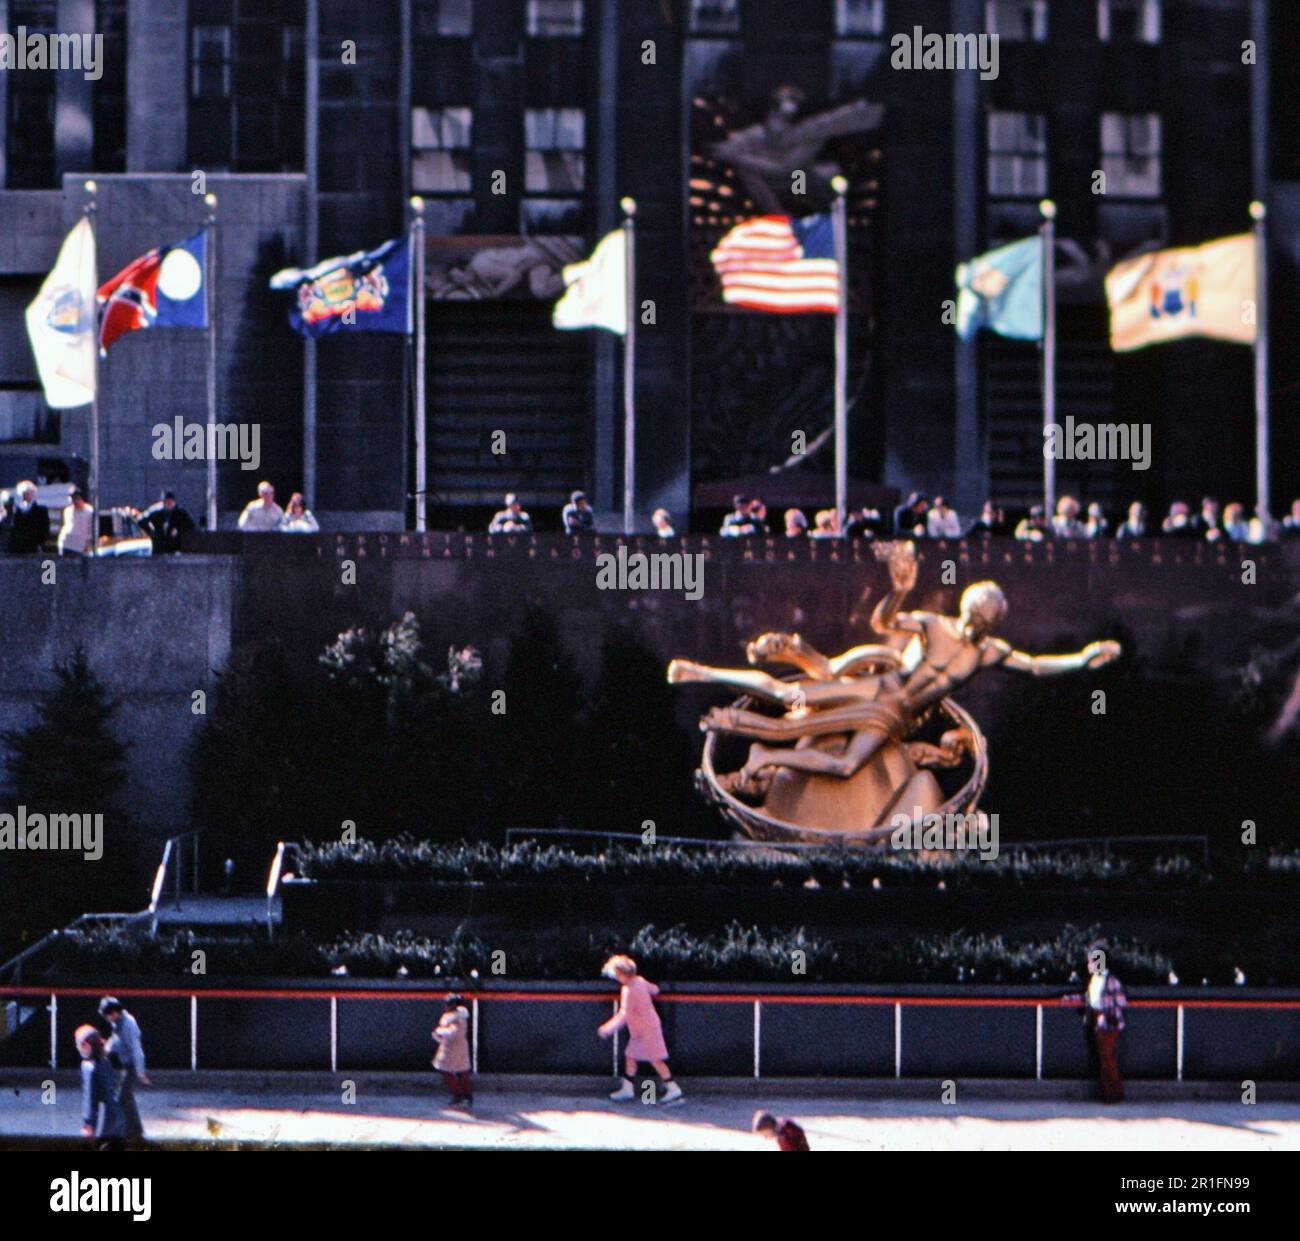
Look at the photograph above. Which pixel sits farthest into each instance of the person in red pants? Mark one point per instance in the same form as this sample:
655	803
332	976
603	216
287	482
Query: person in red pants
1103	1003
453	1056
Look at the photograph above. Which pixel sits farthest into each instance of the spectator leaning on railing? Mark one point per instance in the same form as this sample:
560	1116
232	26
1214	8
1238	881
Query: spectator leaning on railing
942	521
77	536
1034	528
577	517
1134	525
1291	522
739	522
992	521
825	525
166	523
512	519
263	514
298	518
26	524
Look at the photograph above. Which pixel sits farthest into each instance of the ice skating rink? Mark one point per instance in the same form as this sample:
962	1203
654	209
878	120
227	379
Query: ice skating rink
715	1119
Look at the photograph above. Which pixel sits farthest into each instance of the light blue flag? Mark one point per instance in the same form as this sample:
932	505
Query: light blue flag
1003	290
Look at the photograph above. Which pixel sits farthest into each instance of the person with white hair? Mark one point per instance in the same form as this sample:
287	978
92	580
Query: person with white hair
262	514
27	526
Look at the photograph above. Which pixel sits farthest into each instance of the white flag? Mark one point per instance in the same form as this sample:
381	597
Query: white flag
596	290
61	323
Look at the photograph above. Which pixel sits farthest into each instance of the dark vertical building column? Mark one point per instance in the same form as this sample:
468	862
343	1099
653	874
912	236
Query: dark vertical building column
362	415
970	460
498	109
651	167
915	346
4	98
74	126
158	86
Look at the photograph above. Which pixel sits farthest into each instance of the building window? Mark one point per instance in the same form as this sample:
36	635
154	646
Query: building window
246	81
859	18
555	19
1128	21
554	170
29	125
1017	160
448	19
449	217
108	102
1017	21
714	17
554	143
440	150
210	62
1130	154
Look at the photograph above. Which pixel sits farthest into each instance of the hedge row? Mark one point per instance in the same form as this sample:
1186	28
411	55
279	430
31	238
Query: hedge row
738	954
408	859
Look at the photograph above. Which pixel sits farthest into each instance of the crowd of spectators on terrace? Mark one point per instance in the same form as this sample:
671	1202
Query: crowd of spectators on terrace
924	517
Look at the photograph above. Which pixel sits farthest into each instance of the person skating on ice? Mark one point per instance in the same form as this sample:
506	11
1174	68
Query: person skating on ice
453	1057
636	1012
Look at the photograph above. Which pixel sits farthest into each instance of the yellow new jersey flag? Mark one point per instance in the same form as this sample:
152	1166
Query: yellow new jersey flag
1204	290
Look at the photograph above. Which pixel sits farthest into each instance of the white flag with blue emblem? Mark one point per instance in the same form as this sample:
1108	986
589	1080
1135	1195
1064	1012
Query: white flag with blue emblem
61	323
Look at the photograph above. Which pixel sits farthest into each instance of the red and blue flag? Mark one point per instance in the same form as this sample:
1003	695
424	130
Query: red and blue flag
164	288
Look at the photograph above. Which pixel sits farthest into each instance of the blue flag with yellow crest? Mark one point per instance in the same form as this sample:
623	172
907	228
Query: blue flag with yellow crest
369	291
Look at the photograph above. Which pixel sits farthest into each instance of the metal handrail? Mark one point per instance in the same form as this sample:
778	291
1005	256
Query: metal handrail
173	850
273	886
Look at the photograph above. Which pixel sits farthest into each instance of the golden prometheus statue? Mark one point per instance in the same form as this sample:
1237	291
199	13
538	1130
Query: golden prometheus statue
843	761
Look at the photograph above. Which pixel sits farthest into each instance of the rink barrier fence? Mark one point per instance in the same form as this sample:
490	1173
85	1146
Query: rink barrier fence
710	1030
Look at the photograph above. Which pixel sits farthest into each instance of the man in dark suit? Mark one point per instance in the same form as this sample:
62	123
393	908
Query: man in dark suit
909	518
166	523
27	526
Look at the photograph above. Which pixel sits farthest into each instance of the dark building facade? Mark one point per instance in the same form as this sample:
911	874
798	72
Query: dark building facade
314	121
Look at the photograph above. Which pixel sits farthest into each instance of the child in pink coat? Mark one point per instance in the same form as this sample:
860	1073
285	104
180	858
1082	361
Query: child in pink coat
636	1012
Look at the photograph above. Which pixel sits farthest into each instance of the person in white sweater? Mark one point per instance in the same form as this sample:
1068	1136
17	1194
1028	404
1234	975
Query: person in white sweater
77	535
263	513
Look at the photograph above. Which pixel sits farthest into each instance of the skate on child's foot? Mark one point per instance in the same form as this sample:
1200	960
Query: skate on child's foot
625	1093
672	1094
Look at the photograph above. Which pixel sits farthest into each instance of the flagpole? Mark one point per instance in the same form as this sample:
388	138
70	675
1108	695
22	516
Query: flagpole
1259	213
421	425
840	234
1048	232
629	366
311	242
209	270
89	212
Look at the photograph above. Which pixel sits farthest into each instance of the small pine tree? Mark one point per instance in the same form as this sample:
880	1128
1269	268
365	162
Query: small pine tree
67	761
68	758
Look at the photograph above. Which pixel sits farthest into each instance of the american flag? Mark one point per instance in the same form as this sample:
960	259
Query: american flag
781	265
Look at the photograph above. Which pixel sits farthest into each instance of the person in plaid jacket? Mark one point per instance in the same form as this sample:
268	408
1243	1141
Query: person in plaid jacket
1103	1003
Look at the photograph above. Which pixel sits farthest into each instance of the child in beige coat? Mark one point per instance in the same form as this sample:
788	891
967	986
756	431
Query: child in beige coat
452	1059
